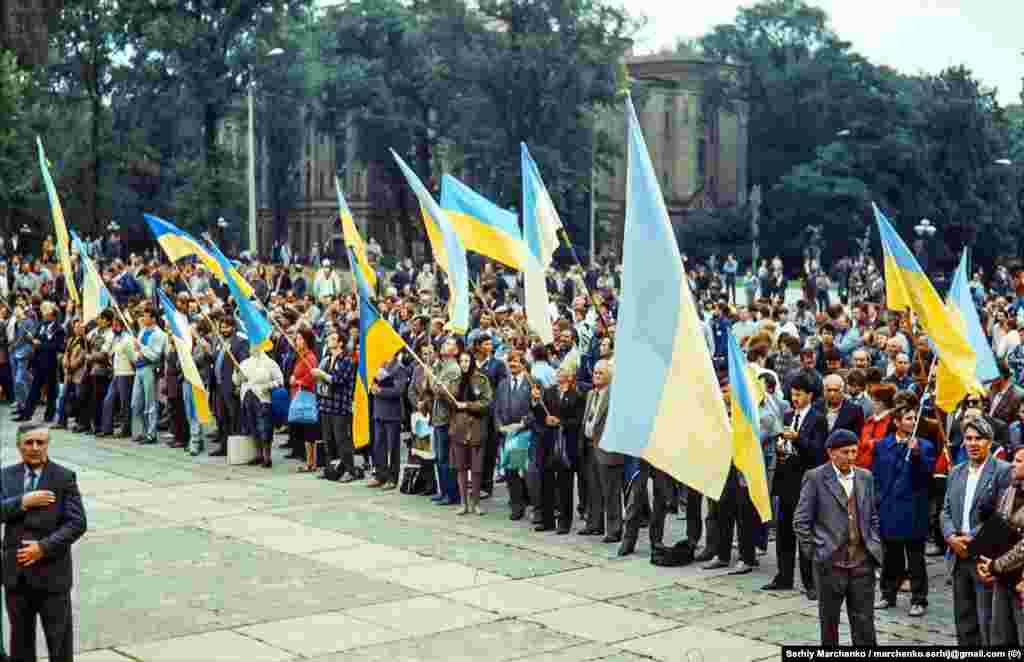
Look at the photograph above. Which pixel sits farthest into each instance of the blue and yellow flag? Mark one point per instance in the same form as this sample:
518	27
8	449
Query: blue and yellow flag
483	226
948	391
178	244
666	406
60	228
908	287
95	295
257	326
746	429
181	335
354	241
540	232
449	252
378	344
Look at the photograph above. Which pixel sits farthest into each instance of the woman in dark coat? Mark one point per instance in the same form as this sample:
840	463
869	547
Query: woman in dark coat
543	422
571	404
466	431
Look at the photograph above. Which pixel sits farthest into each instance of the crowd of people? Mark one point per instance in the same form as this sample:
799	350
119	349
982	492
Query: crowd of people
848	385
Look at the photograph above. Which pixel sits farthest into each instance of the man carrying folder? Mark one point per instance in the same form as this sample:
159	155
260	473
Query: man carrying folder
973	487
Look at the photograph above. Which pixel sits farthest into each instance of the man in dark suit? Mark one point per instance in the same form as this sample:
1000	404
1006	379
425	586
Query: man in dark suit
605	479
49	342
801	447
840	413
511	408
227	406
1004	396
836	522
388	391
971	493
496	372
43	516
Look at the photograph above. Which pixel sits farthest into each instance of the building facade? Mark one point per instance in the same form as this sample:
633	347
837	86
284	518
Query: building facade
699	153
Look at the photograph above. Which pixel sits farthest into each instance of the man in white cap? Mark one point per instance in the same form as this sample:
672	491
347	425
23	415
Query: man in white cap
326	283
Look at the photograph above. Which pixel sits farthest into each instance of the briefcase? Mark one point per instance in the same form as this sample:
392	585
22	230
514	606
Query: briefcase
994	538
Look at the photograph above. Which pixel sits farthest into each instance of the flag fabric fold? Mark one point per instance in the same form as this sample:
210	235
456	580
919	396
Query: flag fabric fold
540	233
666	405
95	295
483	226
962	312
907	287
746	428
181	335
179	244
378	344
448	249
354	241
60	228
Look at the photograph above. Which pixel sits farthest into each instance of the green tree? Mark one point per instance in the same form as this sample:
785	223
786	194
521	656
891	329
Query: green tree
14	139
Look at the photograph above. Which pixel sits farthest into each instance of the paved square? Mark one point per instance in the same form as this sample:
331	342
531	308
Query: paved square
191	560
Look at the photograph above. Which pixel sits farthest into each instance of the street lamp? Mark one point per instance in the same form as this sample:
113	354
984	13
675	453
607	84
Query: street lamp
113	227
924	230
274	52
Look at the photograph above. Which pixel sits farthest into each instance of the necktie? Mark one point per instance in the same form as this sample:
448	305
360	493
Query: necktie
796	423
30	481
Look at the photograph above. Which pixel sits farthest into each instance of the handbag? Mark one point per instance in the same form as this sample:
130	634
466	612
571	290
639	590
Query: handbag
279	406
303	408
515	452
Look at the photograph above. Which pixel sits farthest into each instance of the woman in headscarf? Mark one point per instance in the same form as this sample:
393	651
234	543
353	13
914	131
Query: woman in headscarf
473	397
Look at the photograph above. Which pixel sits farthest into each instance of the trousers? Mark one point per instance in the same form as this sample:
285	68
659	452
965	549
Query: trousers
144	408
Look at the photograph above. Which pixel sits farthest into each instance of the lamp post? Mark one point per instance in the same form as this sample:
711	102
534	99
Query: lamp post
252	160
222	226
924	230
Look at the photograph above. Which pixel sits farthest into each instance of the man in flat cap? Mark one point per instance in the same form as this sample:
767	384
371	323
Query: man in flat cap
836	524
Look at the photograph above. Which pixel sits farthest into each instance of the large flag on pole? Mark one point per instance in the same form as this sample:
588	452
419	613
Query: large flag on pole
540	231
666	405
60	228
948	390
178	244
354	241
449	252
907	287
378	344
95	295
746	429
257	326
181	335
483	226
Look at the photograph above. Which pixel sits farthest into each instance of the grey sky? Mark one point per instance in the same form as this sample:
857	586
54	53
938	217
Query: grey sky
910	35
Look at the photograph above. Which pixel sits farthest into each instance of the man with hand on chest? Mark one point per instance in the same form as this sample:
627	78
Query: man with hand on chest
43	516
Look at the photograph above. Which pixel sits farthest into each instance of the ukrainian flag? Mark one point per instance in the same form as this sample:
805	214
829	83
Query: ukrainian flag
95	295
449	252
257	327
746	429
907	286
354	241
59	226
483	226
178	244
378	344
948	391
177	323
540	230
666	405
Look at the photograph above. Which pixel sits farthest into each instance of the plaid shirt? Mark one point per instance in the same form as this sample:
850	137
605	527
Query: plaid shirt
335	396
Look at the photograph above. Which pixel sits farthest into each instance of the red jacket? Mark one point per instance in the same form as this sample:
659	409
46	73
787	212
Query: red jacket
302	374
875	428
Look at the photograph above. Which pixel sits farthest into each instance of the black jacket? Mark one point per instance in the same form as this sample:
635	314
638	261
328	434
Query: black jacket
55	527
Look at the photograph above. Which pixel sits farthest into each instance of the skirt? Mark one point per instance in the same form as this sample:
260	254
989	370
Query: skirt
463	457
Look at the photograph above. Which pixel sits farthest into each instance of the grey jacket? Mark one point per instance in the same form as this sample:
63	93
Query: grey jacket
821	519
995	478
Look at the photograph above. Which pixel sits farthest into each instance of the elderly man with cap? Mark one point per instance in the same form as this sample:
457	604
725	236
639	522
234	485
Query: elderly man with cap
837	525
971	492
327	283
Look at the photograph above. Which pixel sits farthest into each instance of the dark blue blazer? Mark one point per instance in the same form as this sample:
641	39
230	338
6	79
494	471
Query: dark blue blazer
55	527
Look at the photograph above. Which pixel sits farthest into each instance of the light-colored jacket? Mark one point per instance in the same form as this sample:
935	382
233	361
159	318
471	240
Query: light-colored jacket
260	374
122	350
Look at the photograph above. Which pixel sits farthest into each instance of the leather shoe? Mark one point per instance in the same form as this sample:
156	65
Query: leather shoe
917	610
627	547
516	515
612	538
776	585
218	452
883	603
563	531
704	556
812	594
544	527
741	568
587	531
716	564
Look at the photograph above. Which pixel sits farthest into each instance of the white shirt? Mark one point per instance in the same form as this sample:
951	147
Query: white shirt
973	476
846	480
